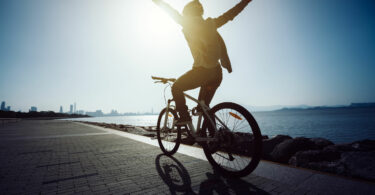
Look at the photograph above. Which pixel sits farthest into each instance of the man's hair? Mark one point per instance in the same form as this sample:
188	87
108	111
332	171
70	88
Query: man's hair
193	8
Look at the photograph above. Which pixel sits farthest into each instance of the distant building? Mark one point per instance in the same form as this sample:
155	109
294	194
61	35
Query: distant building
61	109
71	109
8	108
96	113
33	109
3	105
75	107
113	113
82	112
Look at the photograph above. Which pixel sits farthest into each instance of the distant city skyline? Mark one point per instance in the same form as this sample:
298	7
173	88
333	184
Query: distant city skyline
101	54
114	112
4	107
74	110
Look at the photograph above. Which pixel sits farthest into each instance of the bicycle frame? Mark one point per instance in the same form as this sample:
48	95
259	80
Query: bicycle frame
191	127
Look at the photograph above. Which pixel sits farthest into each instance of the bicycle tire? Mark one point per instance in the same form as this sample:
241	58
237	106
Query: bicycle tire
250	149
169	147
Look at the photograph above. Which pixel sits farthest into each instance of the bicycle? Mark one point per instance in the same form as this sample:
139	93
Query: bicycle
229	134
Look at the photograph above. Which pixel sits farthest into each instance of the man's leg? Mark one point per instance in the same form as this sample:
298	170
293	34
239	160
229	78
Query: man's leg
209	88
190	80
207	92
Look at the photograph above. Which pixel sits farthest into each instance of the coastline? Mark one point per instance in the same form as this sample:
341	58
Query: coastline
355	159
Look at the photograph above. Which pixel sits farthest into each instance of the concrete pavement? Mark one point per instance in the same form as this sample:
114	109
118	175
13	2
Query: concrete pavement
62	157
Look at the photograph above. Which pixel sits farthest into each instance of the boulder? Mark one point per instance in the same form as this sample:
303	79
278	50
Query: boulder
149	135
243	136
242	143
270	144
364	145
321	143
359	164
303	158
340	148
289	147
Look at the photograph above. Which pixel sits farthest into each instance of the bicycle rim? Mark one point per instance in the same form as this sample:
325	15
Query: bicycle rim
169	136
237	152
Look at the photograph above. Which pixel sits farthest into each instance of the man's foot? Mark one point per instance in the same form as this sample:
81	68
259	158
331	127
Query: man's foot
184	118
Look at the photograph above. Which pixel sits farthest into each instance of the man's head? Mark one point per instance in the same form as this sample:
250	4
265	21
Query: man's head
194	8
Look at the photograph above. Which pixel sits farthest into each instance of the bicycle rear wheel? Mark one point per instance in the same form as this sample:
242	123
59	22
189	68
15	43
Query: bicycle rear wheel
237	151
169	135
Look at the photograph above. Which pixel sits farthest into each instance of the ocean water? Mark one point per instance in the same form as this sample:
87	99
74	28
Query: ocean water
337	125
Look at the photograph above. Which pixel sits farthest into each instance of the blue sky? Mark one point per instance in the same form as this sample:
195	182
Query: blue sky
101	53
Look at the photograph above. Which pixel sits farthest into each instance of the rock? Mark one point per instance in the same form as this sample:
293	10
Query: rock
150	135
243	143
270	144
321	143
289	147
340	148
303	158
359	164
364	145
245	136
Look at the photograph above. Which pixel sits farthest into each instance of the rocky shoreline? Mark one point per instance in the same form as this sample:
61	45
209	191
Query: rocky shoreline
356	159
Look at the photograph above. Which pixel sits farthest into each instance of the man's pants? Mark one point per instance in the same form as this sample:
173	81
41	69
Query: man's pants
208	79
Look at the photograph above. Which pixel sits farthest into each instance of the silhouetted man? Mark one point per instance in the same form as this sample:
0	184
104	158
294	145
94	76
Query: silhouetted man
207	48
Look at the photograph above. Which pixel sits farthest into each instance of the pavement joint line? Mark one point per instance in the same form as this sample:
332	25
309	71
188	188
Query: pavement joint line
52	136
64	163
69	178
111	152
80	152
33	152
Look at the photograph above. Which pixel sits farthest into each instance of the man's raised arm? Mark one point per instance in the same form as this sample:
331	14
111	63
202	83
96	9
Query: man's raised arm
230	14
167	8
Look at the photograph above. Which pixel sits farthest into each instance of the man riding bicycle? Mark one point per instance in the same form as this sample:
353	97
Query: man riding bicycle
207	48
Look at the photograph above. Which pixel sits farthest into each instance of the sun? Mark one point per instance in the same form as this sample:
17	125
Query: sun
156	27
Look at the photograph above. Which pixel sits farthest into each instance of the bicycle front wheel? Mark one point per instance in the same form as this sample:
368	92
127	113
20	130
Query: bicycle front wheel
238	148
169	135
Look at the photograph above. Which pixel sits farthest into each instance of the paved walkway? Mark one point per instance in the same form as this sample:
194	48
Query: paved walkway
61	157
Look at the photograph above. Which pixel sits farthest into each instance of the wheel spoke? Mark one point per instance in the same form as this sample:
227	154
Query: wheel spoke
239	146
168	137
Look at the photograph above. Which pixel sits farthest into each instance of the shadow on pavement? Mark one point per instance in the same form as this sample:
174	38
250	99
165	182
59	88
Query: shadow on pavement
175	175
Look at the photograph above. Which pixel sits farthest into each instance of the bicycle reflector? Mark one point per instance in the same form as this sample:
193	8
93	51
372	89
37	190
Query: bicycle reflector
235	116
170	115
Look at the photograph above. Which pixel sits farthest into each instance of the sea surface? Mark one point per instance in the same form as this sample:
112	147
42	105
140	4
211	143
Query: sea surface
338	125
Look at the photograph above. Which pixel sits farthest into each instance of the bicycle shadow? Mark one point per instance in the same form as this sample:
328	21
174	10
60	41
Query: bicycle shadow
175	175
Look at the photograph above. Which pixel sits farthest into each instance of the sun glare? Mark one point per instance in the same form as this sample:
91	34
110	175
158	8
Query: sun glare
157	28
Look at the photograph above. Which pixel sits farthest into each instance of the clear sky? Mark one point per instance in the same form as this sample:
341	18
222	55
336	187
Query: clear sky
101	53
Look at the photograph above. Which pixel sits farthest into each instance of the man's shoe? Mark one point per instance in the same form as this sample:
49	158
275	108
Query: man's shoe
184	119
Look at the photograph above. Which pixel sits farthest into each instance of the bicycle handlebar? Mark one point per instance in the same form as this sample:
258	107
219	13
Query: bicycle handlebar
163	80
